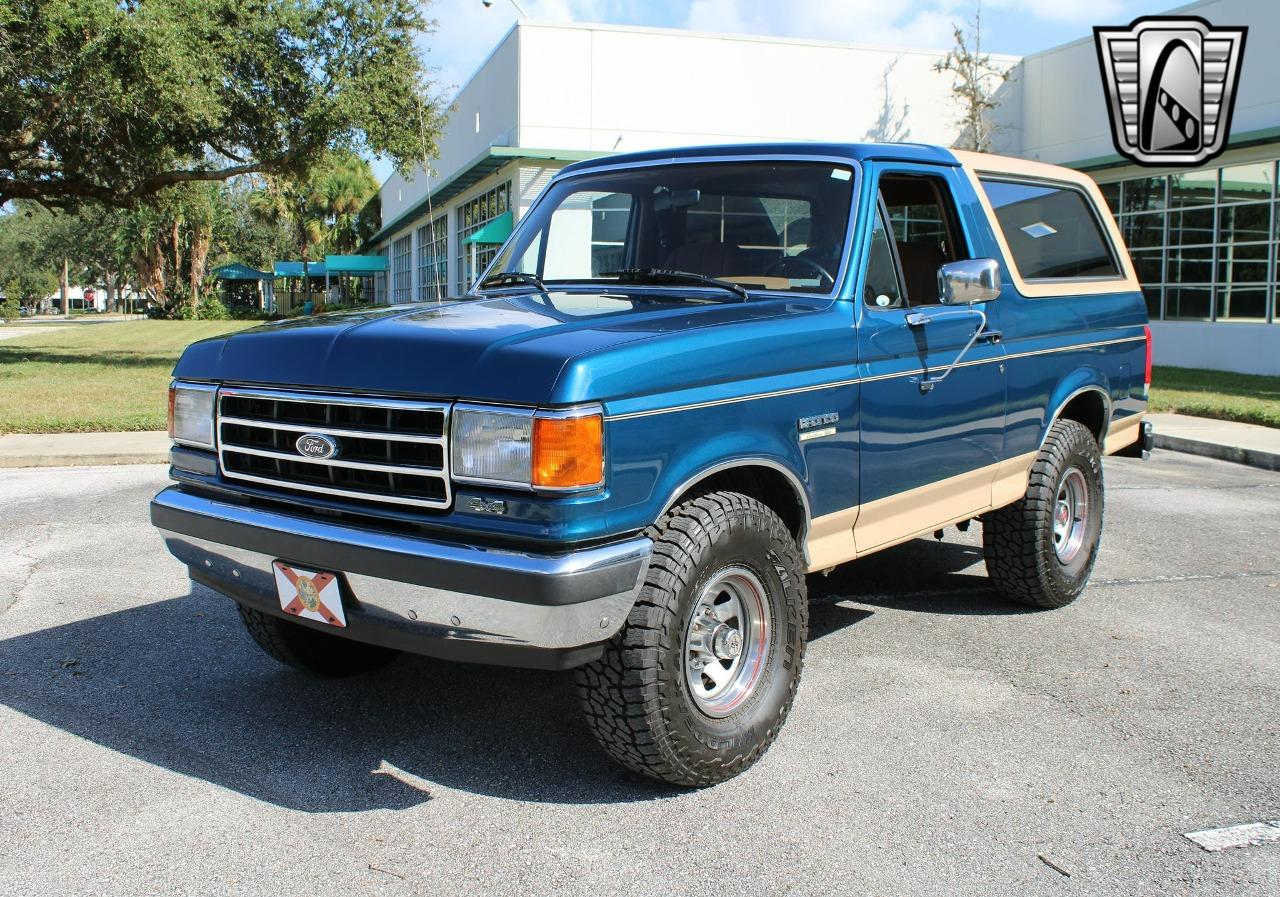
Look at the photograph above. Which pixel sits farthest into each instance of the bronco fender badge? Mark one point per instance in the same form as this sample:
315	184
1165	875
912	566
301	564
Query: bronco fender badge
818	425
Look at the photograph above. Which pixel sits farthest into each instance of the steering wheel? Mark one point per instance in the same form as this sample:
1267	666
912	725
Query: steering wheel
779	268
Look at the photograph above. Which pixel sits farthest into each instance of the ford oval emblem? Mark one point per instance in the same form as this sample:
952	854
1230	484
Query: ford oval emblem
317	446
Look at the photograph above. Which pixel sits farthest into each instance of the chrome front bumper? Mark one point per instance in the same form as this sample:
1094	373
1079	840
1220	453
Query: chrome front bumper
442	599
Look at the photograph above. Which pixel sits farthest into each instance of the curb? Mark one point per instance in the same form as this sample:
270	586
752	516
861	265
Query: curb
1218	451
83	449
16	461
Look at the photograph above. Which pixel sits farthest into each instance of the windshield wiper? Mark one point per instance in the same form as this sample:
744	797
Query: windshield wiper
512	278
662	275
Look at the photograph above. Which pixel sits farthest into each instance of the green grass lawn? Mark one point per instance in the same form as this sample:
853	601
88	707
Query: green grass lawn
1241	397
94	377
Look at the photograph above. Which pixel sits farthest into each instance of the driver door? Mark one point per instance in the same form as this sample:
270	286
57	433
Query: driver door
929	451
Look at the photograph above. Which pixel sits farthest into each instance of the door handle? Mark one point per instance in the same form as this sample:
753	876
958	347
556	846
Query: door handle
991	336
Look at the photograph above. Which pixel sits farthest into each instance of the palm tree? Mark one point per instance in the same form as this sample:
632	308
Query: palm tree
298	204
347	184
323	209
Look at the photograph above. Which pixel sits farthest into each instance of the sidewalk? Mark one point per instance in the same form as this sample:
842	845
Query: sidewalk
82	449
1221	439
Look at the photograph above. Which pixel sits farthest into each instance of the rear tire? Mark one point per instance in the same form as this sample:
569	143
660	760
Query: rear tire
1041	549
697	684
311	650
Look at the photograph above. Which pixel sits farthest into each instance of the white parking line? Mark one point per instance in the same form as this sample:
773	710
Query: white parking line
1248	835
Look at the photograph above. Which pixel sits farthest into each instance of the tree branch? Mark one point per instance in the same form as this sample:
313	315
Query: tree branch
41	191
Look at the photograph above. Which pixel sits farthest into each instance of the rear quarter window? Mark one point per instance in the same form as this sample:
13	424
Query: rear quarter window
1053	230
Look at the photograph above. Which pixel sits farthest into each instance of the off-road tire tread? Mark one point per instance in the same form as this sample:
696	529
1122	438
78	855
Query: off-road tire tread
620	694
1016	563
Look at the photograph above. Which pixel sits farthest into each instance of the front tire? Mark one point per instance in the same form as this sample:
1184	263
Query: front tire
699	681
311	650
1041	549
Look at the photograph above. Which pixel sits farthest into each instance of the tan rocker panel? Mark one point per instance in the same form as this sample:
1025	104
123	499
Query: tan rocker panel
858	531
978	164
1123	432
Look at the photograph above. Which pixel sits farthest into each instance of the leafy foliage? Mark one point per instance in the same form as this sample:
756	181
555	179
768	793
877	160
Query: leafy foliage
26	274
323	211
114	100
168	243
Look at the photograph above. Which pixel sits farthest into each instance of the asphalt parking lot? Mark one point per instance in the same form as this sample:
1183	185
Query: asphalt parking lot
944	742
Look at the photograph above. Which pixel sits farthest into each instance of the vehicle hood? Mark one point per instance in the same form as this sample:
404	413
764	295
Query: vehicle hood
512	348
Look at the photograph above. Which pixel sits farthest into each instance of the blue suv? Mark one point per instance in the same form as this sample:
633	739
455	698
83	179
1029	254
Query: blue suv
688	380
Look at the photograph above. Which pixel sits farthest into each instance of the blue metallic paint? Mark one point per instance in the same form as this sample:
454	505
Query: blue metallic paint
642	356
911	437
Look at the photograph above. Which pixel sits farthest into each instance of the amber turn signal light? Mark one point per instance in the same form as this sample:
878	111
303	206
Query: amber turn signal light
568	452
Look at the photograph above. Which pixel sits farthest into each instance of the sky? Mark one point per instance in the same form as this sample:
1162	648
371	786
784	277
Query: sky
467	30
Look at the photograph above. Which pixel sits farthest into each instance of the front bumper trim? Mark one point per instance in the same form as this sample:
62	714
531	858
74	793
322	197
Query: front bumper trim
421	595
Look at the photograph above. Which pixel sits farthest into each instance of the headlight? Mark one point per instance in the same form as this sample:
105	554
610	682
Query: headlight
191	414
492	446
543	450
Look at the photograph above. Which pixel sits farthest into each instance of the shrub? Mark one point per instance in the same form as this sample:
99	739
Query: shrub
10	310
212	309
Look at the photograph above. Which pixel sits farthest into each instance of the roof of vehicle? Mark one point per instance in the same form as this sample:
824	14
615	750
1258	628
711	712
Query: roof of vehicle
857	152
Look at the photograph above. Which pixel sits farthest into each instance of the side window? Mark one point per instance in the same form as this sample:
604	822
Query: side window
926	231
881	287
1052	230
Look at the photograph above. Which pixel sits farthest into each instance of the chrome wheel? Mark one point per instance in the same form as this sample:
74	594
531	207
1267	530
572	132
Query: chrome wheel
726	643
1070	515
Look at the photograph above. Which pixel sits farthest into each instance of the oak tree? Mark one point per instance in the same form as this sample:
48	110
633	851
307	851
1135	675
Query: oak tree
114	100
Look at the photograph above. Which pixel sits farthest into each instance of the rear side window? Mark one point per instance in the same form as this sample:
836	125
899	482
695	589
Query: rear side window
1052	230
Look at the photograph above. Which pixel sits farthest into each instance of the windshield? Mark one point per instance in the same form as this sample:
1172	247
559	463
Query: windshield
762	225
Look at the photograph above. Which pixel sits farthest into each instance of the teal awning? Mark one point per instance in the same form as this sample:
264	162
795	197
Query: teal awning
355	264
294	269
237	271
495	231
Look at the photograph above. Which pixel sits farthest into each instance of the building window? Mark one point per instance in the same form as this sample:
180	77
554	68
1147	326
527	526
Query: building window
433	260
401	281
380	282
1204	242
474	214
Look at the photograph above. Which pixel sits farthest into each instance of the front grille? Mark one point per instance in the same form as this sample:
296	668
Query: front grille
390	451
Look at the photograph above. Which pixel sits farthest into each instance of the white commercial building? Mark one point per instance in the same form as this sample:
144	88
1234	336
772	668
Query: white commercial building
1205	241
552	94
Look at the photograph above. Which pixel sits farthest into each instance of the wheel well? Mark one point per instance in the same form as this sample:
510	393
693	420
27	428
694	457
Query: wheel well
1090	409
765	484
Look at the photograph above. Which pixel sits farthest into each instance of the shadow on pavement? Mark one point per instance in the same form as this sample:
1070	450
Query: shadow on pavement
923	575
179	684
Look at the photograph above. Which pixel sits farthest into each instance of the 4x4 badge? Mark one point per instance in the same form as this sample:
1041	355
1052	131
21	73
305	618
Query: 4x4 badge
1171	83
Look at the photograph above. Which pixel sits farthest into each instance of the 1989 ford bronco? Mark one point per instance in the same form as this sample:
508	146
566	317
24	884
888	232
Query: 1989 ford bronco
688	379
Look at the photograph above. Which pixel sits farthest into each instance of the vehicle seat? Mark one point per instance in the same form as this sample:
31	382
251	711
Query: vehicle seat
921	260
712	259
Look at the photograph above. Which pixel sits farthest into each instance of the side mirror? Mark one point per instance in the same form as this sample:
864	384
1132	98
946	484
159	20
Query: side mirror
968	281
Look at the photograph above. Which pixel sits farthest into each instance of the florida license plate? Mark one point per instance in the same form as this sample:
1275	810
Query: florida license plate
310	594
